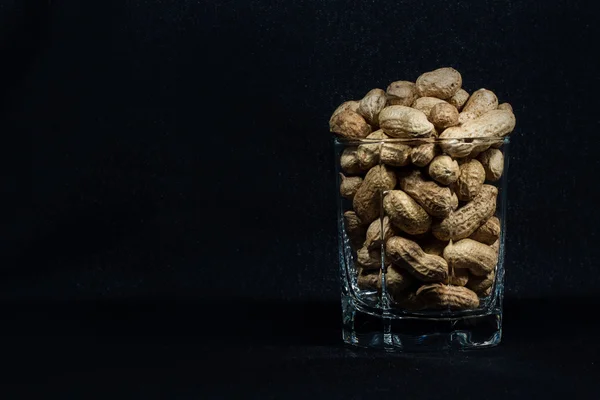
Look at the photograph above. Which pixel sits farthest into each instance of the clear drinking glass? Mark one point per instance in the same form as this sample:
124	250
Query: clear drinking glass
420	282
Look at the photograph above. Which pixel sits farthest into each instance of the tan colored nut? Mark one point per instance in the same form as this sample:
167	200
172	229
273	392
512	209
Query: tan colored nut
405	213
477	257
367	200
458	277
464	221
349	161
368	154
459	99
371	105
480	102
395	154
442	83
369	259
368	280
397	280
401	93
349	125
505	106
355	229
439	296
496	246
495	123
423	154
404	122
443	169
493	164
434	246
470	181
374	233
351	105
454	201
479	284
349	185
426	104
408	255
443	115
435	199
487	292
487	233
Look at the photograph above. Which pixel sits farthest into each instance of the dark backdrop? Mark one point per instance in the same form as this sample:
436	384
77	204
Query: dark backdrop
180	149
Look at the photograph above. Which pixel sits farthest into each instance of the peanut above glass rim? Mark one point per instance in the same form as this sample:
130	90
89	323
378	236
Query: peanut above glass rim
422	140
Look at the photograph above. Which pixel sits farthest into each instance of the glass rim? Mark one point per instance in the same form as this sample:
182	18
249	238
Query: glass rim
463	139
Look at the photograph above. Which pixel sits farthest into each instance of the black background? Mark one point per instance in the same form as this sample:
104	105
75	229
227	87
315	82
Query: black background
164	160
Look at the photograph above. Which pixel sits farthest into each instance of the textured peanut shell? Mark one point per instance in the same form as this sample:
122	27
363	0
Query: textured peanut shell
404	122
470	180
367	200
435	199
368	154
496	246
447	296
350	125
459	99
375	236
401	93
405	213
454	201
495	123
369	280
426	104
442	83
477	257
395	154
480	102
458	277
493	164
368	259
371	105
351	105
465	220
487	233
354	228
408	255
423	154
443	169
479	284
349	161
443	115
349	185
397	280
505	106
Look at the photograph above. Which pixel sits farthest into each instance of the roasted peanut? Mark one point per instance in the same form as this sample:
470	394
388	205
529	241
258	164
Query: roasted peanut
487	233
404	122
351	105
470	180
442	83
493	164
446	296
368	154
405	213
459	99
426	104
349	185
466	219
443	169
349	161
368	280
477	257
354	228
408	255
349	125
443	115
480	102
401	93
395	154
374	233
367	200
479	284
369	258
423	154
435	199
371	105
397	280
457	276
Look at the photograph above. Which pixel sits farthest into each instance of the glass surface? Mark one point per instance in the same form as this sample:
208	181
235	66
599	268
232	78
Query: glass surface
390	297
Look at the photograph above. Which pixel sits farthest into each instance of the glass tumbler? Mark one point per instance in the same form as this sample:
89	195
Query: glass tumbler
421	225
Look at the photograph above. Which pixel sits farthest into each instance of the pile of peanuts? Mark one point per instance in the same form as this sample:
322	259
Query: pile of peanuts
419	170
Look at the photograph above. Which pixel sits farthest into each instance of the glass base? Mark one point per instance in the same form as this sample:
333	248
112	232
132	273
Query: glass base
372	328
